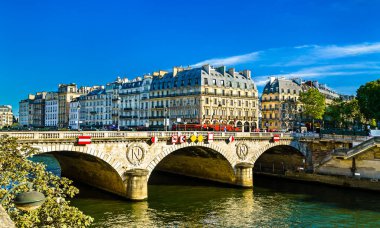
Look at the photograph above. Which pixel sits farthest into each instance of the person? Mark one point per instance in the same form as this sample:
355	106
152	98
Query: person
225	129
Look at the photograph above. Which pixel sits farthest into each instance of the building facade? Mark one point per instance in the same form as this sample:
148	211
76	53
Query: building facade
280	107
66	93
204	95
24	112
75	107
6	116
51	109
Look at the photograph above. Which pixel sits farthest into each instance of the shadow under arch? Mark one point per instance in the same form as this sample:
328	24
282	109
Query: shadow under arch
88	169
198	162
279	159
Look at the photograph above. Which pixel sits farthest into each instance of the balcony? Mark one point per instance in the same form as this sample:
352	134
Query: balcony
127	109
129	93
115	114
159	106
93	112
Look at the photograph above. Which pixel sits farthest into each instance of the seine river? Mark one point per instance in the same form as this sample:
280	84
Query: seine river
180	202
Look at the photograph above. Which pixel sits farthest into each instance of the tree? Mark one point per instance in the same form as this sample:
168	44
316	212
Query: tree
56	211
313	103
368	96
344	113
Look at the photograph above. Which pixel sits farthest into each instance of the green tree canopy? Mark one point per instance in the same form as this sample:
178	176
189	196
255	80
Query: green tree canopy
344	112
368	96
313	103
56	211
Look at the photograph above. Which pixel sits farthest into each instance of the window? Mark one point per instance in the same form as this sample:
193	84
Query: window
238	84
206	100
206	91
215	91
222	82
214	81
223	92
206	81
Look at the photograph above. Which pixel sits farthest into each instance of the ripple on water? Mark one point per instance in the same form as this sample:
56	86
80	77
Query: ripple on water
286	205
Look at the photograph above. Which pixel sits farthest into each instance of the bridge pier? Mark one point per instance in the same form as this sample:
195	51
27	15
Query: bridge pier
244	175
137	184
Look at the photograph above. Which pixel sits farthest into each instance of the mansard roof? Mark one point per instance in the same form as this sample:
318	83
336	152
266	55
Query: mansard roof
197	76
278	84
132	84
97	92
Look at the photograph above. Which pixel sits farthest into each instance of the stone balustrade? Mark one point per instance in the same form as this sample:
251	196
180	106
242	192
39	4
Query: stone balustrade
136	134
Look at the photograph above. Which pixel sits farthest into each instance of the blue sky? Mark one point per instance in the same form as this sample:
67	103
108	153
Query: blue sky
44	43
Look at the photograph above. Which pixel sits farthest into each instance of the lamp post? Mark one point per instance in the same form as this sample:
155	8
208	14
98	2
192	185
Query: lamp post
26	201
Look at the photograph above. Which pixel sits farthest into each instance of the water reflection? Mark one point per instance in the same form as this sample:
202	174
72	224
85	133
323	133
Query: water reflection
272	203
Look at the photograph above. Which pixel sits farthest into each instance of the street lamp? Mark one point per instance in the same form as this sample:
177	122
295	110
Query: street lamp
26	201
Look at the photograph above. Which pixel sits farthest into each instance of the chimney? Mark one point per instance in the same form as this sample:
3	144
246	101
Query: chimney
247	73
177	69
155	74
221	69
162	73
207	68
231	71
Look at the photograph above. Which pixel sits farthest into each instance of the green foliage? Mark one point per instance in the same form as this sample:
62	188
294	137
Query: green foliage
56	211
345	113
368	96
373	123
313	103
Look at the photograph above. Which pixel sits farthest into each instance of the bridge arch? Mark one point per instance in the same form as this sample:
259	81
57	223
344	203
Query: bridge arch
92	167
286	153
204	161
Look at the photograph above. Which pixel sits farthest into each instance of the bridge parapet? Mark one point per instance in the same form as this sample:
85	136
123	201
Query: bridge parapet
138	134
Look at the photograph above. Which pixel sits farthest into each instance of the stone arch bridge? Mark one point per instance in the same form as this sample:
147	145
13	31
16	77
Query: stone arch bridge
122	162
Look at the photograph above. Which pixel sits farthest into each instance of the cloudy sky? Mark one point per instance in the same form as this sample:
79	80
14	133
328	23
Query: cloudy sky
45	43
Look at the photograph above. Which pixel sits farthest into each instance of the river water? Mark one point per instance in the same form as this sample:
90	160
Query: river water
181	202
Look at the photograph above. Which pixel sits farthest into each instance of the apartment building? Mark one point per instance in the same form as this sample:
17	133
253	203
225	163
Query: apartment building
51	109
6	116
279	104
204	95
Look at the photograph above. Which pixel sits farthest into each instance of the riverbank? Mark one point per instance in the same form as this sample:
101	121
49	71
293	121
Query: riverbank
341	181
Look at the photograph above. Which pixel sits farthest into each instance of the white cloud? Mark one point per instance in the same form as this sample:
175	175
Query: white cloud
334	51
233	60
326	71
